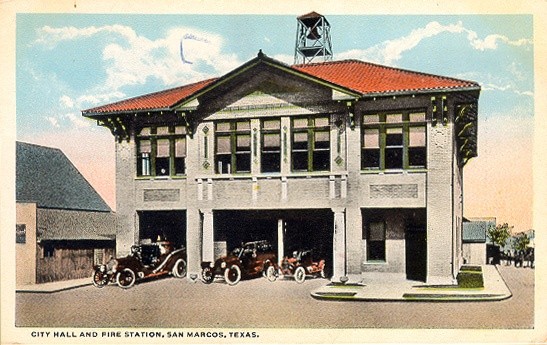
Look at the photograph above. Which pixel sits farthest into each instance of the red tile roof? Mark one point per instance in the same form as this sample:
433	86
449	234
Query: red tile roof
157	100
367	78
361	77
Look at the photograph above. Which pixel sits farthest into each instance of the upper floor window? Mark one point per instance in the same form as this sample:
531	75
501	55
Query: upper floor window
311	143
161	151
270	155
233	147
394	141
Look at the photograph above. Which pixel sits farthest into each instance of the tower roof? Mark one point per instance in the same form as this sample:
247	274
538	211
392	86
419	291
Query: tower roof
311	18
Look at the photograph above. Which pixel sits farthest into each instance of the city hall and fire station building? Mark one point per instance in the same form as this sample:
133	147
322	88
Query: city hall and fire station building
360	162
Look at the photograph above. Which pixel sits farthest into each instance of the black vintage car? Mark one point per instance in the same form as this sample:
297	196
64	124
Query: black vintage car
145	261
251	259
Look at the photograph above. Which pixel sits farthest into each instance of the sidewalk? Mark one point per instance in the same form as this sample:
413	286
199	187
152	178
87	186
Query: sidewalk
54	286
494	289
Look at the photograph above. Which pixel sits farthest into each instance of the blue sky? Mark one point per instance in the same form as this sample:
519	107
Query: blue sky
67	63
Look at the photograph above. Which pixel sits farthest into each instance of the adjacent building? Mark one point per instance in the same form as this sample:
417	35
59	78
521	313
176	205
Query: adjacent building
360	162
63	226
474	237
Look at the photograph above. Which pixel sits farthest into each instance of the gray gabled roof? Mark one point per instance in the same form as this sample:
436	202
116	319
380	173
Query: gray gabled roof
44	175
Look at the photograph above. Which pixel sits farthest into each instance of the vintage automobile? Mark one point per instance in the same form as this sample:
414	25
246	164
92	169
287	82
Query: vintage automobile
301	265
251	259
146	260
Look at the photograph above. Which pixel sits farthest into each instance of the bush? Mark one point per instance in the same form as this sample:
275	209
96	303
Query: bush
470	279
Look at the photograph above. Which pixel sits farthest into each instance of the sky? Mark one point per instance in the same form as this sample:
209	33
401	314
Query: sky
66	63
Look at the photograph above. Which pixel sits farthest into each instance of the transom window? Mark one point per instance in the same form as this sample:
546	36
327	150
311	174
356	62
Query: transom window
271	146
161	151
311	144
233	147
393	141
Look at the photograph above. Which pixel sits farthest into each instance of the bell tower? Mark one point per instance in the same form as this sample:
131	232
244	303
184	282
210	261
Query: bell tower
313	42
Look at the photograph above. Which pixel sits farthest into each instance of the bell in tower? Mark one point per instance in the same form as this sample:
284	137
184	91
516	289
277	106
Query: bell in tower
313	42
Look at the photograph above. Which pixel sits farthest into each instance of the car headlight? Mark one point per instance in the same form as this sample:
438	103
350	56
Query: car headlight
212	265
223	264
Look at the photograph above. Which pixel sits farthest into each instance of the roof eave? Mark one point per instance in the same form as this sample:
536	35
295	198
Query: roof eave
97	115
420	91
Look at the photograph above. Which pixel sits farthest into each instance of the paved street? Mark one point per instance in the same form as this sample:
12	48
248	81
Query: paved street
261	304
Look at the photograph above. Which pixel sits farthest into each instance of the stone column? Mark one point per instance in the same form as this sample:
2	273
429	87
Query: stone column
280	240
208	245
339	246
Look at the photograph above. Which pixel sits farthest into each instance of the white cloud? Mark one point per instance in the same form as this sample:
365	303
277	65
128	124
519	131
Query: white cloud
77	120
53	121
490	42
66	101
506	88
49	36
90	100
389	52
136	59
288	59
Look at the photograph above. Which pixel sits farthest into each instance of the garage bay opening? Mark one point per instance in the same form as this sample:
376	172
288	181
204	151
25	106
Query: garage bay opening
288	231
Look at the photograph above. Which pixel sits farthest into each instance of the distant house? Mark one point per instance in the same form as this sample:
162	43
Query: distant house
63	226
474	236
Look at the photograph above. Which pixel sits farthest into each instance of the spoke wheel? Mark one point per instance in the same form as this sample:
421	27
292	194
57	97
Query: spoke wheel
126	278
207	275
100	279
300	275
179	269
271	273
232	275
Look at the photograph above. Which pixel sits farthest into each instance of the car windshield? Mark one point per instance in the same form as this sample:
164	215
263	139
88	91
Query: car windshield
237	251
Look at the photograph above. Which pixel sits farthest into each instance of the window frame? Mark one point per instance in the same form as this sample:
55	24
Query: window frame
270	152
149	163
383	126
311	129
233	133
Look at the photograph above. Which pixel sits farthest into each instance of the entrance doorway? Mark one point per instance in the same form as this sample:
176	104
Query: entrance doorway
416	253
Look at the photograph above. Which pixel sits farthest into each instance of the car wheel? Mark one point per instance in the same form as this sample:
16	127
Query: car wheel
207	275
300	275
100	279
179	269
232	275
271	273
126	278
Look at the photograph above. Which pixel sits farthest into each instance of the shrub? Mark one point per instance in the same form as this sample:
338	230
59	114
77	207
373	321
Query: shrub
470	279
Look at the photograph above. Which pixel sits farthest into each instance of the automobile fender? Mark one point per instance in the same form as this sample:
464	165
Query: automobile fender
167	259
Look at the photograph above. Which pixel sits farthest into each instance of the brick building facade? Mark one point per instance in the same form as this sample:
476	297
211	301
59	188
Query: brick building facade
360	162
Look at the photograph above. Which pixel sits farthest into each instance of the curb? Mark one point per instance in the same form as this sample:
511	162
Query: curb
51	290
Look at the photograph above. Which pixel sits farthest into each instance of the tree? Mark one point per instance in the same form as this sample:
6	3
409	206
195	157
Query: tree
499	234
522	241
